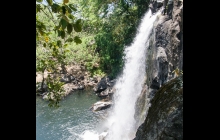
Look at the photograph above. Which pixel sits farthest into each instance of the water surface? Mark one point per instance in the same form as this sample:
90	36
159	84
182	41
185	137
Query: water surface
70	120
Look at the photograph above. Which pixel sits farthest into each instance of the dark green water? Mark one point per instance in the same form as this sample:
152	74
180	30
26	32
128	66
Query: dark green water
68	121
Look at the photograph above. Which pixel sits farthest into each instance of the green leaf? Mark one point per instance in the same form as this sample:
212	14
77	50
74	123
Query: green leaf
66	51
63	23
71	16
64	10
49	85
39	0
69	28
69	40
68	9
55	8
65	1
65	45
59	43
72	7
62	34
78	26
77	40
50	2
67	20
50	45
59	33
59	16
38	8
44	44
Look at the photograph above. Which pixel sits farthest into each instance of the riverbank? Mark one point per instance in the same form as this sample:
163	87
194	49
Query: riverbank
75	78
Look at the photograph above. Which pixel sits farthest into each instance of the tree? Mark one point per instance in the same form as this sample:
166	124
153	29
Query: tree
53	35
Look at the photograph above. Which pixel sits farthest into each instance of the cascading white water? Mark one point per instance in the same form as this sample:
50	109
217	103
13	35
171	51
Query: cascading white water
129	84
121	123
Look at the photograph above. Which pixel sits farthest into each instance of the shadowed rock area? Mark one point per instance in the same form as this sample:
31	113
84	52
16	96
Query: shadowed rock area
165	116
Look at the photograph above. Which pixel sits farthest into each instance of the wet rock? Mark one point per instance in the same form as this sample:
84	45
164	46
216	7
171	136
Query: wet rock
141	107
165	116
67	78
153	6
81	87
102	85
170	8
111	83
95	80
166	43
155	83
152	93
159	3
105	87
81	77
71	78
106	92
100	105
45	96
41	89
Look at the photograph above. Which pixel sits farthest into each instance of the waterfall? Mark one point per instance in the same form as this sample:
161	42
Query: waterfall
120	123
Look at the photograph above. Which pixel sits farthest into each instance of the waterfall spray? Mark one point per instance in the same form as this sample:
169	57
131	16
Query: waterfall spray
129	84
121	124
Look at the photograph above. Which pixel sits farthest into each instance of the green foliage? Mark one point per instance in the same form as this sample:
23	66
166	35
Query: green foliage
50	2
63	18
77	40
55	91
69	28
85	32
55	8
78	25
116	30
54	23
112	30
65	1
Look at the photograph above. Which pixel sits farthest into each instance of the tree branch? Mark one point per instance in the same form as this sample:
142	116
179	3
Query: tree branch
48	16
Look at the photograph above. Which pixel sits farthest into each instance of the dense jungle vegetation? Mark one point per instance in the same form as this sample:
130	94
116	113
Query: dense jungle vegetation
89	32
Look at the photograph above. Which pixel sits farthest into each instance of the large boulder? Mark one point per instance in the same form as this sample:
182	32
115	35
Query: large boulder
101	105
155	83
102	85
41	89
153	6
164	120
108	92
160	3
67	78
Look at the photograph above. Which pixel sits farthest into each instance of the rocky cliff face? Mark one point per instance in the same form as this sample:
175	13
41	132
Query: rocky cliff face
165	53
164	56
165	116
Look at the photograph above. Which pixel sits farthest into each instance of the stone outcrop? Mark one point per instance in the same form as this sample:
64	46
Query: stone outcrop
75	78
101	105
165	52
105	87
165	116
